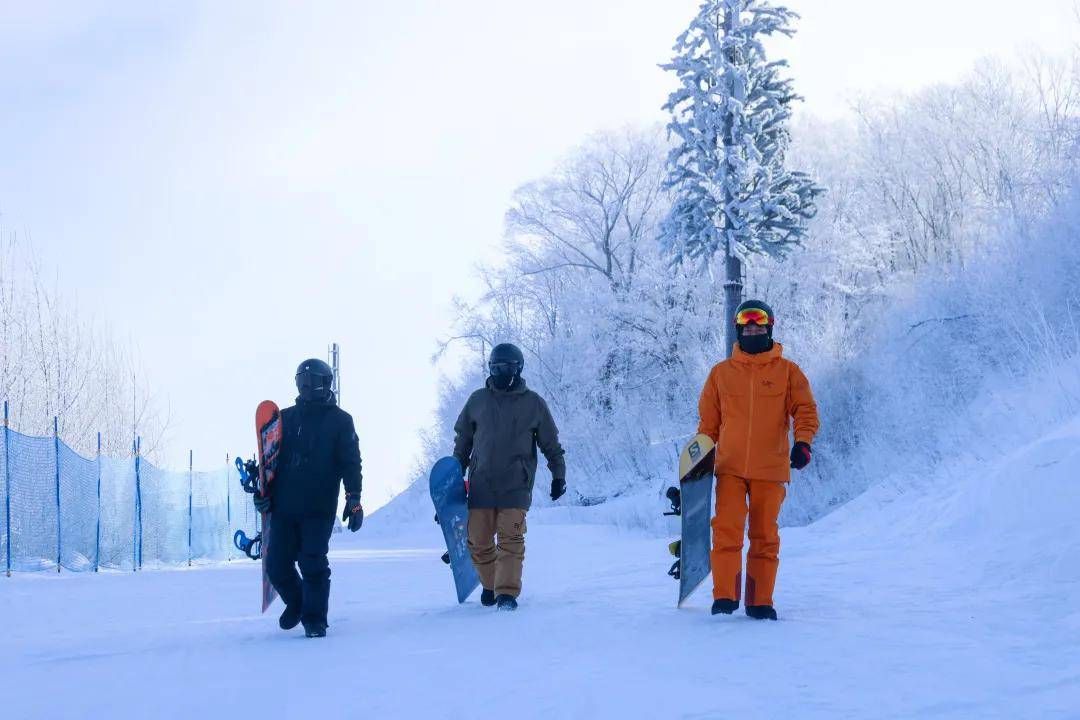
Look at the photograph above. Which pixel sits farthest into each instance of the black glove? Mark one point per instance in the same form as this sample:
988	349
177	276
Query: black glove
558	488
353	512
800	455
262	502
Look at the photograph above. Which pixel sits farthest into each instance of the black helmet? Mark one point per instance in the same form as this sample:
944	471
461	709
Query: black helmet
314	379
506	359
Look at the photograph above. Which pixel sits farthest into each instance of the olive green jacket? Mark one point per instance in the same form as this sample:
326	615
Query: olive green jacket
496	437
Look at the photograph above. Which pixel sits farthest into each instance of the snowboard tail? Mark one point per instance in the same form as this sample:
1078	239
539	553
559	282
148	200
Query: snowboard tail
447	487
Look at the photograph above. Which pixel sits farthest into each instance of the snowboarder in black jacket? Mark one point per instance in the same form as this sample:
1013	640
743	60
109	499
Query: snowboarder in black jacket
319	450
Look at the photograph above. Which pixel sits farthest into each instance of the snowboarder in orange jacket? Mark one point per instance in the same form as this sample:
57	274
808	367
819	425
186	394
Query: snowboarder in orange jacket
748	407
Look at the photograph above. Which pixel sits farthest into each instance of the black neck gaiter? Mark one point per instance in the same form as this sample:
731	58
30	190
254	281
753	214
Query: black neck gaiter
755	344
503	382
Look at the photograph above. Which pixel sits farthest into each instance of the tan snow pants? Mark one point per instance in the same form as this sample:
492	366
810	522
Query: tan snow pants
498	563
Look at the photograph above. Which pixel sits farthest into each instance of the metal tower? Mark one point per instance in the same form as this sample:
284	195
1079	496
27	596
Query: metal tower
335	356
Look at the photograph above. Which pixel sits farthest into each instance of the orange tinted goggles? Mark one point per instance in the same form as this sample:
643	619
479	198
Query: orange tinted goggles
753	316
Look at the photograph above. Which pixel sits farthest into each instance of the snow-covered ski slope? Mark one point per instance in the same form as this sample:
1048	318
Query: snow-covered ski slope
958	598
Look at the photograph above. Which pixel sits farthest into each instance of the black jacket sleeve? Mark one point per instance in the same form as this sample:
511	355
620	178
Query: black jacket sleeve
547	437
347	453
464	429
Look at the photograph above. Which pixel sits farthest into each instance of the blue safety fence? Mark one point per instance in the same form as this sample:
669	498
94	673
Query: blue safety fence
62	510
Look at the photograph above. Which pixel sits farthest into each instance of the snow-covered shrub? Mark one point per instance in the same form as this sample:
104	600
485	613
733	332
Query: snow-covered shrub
903	402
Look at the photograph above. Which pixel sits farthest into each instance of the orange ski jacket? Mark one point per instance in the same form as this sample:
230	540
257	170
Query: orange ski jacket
747	408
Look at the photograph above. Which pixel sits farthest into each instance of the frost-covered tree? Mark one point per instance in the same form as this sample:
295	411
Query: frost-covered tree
616	341
54	363
733	193
953	209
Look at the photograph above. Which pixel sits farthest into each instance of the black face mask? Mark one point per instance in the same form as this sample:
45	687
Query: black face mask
755	344
312	388
503	382
314	395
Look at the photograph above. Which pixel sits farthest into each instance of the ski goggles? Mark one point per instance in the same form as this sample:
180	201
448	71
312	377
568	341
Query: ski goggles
503	368
753	316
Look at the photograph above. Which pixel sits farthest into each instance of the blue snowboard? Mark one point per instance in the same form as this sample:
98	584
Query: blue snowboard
447	487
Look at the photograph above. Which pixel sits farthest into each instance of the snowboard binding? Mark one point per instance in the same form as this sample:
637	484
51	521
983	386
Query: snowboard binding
675	549
249	480
446	555
252	547
674	496
249	475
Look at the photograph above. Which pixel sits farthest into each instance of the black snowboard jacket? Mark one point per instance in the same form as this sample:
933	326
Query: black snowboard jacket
496	437
319	450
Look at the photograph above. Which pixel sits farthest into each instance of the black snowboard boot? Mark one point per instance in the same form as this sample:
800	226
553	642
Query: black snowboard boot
290	617
506	602
761	612
315	629
723	606
487	597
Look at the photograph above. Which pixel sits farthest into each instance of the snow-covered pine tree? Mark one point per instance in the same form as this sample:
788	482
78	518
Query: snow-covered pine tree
732	190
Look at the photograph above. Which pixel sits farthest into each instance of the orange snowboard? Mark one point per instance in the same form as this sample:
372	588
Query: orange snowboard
268	430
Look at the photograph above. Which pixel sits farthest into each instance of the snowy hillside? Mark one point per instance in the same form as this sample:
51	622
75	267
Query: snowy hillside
958	598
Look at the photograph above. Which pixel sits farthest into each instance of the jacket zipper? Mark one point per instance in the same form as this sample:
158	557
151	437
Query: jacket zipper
750	423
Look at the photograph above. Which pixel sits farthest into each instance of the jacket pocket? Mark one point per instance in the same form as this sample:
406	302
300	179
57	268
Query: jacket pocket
475	473
770	415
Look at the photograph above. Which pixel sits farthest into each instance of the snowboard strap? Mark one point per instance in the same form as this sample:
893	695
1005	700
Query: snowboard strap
674	496
249	475
252	547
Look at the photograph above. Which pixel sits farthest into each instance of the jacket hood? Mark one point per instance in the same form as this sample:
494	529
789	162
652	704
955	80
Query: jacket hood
768	356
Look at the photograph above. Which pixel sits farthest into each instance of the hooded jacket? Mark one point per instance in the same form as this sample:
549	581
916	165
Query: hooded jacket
319	451
496	436
748	407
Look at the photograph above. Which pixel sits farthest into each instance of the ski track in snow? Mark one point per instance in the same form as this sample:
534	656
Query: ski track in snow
947	603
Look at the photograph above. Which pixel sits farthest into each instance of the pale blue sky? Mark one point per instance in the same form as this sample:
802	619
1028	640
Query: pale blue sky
356	159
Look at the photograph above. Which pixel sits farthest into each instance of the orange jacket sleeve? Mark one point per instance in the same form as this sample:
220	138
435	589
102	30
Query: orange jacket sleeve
801	406
709	408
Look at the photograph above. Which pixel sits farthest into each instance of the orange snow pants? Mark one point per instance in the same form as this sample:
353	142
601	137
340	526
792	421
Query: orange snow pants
728	528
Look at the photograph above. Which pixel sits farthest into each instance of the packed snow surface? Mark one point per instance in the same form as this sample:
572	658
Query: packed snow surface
960	598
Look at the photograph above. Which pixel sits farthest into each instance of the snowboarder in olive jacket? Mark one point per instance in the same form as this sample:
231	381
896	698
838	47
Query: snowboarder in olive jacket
496	437
319	451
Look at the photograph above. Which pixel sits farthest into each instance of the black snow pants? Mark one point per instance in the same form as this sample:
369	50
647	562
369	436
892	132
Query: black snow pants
303	541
